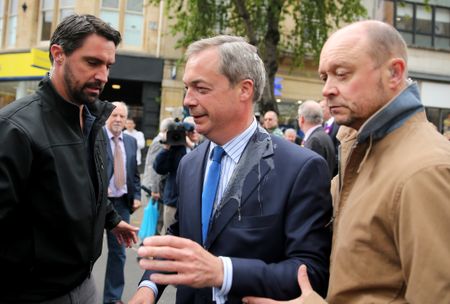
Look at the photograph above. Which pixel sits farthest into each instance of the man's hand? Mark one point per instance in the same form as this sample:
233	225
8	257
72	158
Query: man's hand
136	204
143	295
125	233
189	143
303	282
186	262
155	196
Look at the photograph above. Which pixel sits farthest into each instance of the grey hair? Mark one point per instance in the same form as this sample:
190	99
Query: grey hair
239	60
290	130
312	112
121	103
164	125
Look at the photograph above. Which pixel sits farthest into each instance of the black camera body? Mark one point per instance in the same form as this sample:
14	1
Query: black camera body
176	133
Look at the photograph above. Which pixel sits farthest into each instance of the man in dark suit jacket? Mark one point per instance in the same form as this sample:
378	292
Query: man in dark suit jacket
310	118
331	128
125	198
273	202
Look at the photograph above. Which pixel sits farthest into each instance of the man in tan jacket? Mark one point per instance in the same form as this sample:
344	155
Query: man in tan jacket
391	197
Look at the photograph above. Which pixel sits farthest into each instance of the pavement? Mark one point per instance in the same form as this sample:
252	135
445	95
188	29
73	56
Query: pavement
133	273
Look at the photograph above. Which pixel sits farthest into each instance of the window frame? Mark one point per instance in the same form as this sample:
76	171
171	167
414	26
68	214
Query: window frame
8	27
122	13
415	32
56	18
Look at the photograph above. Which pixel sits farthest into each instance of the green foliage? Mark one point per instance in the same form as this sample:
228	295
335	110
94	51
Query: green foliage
267	24
255	19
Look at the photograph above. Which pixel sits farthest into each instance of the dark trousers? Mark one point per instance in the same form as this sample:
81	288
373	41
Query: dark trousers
114	276
85	293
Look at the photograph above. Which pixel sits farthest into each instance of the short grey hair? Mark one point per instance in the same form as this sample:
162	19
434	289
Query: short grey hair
165	123
121	103
239	60
290	130
312	112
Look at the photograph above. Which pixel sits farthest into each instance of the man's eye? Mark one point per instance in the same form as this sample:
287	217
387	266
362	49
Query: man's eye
202	90
341	74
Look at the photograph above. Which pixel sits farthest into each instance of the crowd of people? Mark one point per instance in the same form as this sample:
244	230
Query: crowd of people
355	210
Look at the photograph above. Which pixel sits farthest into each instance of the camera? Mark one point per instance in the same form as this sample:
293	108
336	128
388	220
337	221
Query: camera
176	133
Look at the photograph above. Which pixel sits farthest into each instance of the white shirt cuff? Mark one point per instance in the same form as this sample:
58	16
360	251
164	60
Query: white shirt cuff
221	295
151	285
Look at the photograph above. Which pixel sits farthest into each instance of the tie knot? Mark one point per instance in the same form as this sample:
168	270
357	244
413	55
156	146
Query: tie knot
116	139
217	153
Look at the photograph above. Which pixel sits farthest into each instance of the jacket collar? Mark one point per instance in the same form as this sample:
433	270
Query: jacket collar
393	115
100	109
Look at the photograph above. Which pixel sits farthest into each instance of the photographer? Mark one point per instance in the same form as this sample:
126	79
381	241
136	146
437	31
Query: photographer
179	139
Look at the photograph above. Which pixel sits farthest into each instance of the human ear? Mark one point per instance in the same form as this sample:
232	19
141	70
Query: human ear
57	53
247	89
397	70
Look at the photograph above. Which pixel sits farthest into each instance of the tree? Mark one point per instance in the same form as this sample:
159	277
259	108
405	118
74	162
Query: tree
263	22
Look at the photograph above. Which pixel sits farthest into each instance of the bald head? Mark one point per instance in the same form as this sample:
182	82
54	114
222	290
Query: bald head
363	66
382	41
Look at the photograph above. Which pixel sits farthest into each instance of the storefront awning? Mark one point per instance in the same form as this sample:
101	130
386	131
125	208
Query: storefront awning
24	66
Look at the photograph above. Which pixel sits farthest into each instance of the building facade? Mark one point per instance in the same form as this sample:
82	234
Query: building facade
147	75
426	30
136	78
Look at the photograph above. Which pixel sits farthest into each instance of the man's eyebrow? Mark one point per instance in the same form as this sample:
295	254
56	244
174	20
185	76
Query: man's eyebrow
196	82
87	57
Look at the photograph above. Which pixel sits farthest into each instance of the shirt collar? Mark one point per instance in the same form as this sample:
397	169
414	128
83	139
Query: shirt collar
330	121
235	147
111	136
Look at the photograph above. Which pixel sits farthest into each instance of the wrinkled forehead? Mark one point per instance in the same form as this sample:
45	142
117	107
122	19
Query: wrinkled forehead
343	48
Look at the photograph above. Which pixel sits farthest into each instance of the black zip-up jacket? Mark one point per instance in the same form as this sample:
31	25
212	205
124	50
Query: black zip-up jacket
53	204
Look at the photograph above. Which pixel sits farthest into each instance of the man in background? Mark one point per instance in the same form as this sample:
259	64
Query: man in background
130	126
124	192
53	184
153	181
331	128
271	123
391	197
180	139
310	120
290	134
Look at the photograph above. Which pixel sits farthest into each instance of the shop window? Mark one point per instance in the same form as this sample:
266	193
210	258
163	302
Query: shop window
126	16
420	25
110	12
2	12
48	19
12	23
446	123
442	28
134	19
424	28
440	118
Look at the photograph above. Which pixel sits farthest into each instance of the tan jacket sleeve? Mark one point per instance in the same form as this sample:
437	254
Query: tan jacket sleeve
422	234
314	298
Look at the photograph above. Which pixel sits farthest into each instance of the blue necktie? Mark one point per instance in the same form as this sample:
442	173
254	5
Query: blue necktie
210	188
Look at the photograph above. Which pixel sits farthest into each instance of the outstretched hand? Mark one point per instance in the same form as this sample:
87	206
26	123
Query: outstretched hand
125	233
180	261
303	282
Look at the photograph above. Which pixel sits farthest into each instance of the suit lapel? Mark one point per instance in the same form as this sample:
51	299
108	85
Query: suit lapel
192	199
253	166
110	167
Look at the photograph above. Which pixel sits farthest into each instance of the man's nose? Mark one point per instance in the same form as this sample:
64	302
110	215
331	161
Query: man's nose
102	74
189	98
329	88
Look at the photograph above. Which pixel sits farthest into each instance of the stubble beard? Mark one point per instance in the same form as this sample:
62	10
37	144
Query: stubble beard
76	92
